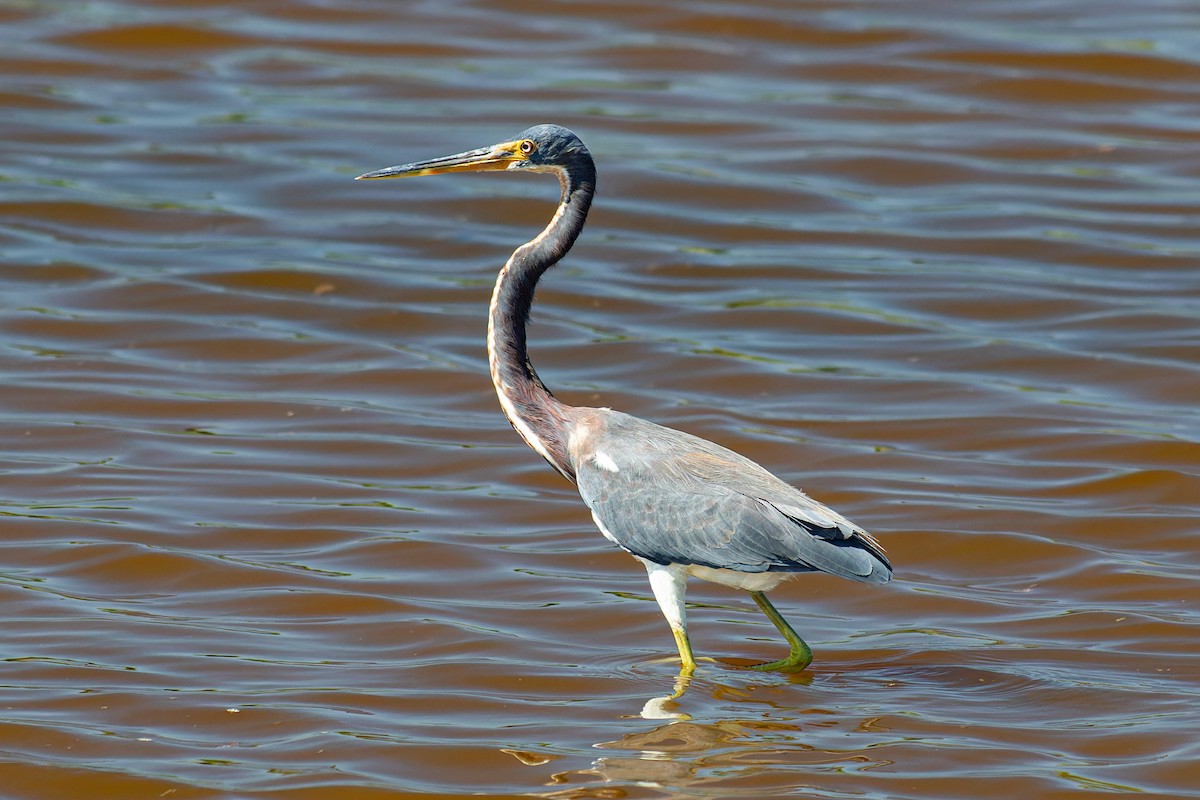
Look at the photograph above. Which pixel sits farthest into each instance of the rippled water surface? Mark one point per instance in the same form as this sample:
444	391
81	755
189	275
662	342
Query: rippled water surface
265	533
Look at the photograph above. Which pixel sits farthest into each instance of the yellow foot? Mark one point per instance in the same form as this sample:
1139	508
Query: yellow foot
796	662
684	668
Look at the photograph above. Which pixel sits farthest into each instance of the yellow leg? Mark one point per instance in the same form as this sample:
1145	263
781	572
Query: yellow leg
801	655
685	651
669	582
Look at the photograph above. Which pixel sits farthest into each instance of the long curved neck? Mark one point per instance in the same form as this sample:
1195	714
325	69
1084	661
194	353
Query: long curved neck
534	412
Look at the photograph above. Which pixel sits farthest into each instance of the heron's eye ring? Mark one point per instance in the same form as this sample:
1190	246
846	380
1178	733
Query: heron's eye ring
527	147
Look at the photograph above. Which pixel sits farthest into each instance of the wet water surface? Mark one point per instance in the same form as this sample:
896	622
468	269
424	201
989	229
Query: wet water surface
265	533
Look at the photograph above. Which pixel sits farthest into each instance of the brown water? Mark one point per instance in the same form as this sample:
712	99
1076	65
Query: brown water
266	534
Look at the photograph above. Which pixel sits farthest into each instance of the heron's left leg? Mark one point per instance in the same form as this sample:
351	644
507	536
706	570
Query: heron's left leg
669	582
801	655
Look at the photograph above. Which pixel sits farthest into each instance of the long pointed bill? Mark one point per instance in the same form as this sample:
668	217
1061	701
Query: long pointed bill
497	157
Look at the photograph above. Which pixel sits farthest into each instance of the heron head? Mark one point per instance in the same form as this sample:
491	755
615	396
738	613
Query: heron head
541	148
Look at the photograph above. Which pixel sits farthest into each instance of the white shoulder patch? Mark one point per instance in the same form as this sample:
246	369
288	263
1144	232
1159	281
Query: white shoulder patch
604	461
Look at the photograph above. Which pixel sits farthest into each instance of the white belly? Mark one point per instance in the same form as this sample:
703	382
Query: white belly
748	581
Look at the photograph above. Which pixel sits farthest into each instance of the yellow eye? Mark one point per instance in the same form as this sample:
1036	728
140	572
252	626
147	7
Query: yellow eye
527	146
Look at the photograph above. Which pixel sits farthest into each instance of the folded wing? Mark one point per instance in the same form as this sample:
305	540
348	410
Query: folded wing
670	497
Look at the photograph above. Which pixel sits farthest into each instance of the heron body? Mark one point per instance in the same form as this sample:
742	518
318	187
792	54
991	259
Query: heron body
682	505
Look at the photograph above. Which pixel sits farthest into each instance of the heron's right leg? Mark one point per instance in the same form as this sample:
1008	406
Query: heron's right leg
801	655
669	583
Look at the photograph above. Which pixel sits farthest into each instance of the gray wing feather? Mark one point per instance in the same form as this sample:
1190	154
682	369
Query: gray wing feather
676	498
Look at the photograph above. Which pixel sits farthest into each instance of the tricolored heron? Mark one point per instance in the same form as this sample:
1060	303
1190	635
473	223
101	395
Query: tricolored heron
679	504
